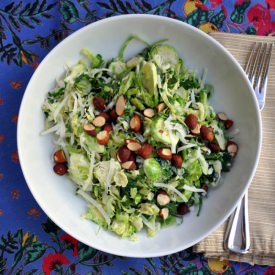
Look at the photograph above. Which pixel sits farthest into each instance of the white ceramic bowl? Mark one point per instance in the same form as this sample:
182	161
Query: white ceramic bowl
233	95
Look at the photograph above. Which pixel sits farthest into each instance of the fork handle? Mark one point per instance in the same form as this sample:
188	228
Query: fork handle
237	236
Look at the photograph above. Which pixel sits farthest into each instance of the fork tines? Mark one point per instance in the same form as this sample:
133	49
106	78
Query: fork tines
258	63
257	68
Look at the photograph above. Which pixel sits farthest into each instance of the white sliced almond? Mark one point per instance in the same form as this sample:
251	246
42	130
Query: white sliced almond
163	199
103	137
133	145
161	107
222	116
135	123
90	129
120	105
232	148
149	112
164	213
99	121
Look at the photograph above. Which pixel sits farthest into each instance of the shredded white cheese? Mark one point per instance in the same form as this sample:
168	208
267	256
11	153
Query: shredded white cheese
169	128
50	130
59	107
190	145
193	189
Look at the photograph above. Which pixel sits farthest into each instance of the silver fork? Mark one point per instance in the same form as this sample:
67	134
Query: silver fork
237	235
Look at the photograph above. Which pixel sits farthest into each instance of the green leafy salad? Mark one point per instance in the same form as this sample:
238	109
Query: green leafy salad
138	138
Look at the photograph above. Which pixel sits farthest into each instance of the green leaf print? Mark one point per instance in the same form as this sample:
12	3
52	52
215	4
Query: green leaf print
85	252
34	252
251	30
237	15
198	17
218	19
69	11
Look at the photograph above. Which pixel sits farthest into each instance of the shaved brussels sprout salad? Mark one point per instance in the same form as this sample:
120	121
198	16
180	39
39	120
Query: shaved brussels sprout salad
138	138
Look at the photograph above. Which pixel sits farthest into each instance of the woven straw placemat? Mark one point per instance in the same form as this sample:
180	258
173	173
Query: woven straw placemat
262	190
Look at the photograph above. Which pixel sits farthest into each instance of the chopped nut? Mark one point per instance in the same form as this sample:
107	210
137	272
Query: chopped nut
59	156
123	154
164	213
99	103
163	199
205	149
206	133
103	137
232	148
177	160
228	124
120	105
108	128
105	115
145	151
113	115
149	112
90	129
191	121
99	121
161	107
165	153
215	148
60	169
196	131
135	123
222	116
133	145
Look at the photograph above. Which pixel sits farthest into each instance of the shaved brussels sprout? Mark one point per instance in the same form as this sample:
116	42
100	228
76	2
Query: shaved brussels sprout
152	169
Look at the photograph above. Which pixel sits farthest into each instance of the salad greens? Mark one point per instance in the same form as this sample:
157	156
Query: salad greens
137	137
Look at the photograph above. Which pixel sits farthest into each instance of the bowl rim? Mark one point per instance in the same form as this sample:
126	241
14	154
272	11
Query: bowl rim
110	20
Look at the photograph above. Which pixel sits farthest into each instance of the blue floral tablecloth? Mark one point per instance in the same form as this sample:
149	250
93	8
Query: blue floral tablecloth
30	243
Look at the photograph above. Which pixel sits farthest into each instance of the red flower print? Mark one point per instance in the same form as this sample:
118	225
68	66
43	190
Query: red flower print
72	242
1	212
270	271
2	137
35	65
270	4
1	176
16	84
14	118
224	11
261	19
51	262
14	157
215	3
15	194
1	101
34	212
